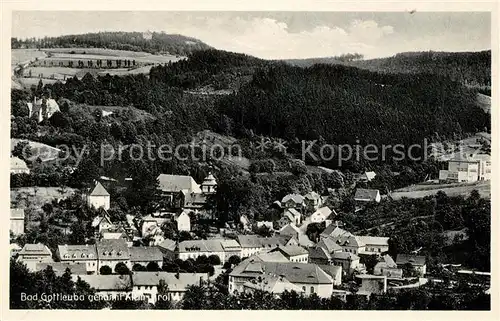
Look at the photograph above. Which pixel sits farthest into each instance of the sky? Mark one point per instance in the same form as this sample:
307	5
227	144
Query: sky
281	35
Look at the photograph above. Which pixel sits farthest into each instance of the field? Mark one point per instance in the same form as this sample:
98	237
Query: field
45	152
25	55
98	53
419	191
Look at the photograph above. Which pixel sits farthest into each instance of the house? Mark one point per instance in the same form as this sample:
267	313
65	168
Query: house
364	196
334	230
367	176
330	244
168	249
467	168
145	284
321	215
376	284
194	248
170	185
309	277
108	287
293	253
41	109
295	201
250	245
99	197
102	222
209	185
272	284
31	254
276	256
230	248
384	262
18	166
418	263
334	271
374	244
289	229
183	221
267	224
292	216
59	268
17	221
112	252
286	240
312	201
79	254
319	255
348	261
143	255
351	244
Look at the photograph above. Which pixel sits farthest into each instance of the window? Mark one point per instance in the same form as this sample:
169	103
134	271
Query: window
304	288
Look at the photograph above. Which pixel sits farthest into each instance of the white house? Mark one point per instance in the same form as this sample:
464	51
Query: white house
183	221
171	185
112	252
79	254
145	284
374	244
99	197
31	254
321	215
209	185
367	195
467	168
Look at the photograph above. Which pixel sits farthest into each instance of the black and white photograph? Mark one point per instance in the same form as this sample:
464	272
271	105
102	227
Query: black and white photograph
250	160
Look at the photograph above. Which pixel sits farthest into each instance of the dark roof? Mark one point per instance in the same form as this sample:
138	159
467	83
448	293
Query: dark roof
332	270
99	190
168	244
318	253
408	258
145	253
366	194
60	267
334	231
112	249
107	282
77	252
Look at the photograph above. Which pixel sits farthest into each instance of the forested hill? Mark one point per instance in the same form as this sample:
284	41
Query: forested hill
133	41
470	68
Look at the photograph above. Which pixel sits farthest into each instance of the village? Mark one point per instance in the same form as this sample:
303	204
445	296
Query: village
131	256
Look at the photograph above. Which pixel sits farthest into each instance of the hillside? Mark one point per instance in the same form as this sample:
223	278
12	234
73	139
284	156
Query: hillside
132	41
470	68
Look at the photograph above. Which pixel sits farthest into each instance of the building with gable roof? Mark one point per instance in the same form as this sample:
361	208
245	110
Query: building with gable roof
374	244
17	221
79	254
348	261
145	284
312	201
334	230
99	197
168	248
416	261
293	201
363	196
209	185
294	253
173	184
18	166
102	222
143	255
108	287
292	216
289	229
271	284
112	252
31	254
321	215
183	221
309	277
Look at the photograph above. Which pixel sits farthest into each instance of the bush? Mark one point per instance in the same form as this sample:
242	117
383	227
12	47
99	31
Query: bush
153	267
121	268
105	270
202	259
214	259
138	267
234	260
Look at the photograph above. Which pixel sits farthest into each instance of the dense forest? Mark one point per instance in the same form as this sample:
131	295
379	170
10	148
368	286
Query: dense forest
133	41
469	68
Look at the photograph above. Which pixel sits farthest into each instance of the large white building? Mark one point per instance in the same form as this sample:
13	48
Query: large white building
18	166
467	169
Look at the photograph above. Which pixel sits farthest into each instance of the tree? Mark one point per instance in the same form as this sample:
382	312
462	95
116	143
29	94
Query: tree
214	259
105	270
22	150
234	260
78	233
139	267
163	302
153	267
121	269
